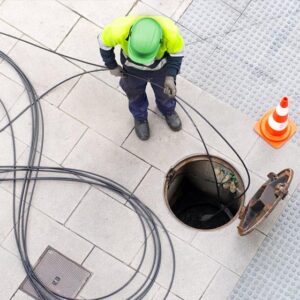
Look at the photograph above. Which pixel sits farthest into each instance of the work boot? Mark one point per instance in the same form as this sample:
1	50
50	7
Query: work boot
142	129
173	121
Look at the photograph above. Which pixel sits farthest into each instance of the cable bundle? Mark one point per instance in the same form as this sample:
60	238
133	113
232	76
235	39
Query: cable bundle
30	175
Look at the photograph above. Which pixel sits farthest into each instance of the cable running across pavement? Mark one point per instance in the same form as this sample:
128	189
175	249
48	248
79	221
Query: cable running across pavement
29	175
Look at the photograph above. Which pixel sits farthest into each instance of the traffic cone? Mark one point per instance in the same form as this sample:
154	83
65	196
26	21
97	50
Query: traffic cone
275	127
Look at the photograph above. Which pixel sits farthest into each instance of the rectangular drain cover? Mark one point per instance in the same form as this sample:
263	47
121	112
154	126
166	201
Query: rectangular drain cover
58	273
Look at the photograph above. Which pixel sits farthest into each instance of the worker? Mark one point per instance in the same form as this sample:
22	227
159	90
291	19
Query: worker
152	49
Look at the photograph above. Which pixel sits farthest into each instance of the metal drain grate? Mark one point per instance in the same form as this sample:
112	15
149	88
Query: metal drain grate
59	274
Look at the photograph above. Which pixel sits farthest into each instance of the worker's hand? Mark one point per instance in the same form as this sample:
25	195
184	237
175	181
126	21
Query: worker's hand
170	86
118	71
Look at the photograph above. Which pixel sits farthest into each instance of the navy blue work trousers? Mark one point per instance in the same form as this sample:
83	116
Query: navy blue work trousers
135	90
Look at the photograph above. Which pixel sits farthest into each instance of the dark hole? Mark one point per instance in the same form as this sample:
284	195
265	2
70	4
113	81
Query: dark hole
192	196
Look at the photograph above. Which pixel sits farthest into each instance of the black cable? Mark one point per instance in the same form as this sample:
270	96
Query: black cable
222	206
21	215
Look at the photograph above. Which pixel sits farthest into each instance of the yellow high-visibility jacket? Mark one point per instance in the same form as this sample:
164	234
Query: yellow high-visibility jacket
117	32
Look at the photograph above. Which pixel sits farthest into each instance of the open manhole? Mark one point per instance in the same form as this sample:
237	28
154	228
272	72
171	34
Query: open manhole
191	193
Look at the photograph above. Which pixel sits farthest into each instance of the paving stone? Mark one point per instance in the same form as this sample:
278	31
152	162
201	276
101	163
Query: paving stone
227	247
101	108
229	122
6	150
142	9
6	213
38	64
56	199
194	270
151	192
239	5
43	232
7	43
100	12
263	159
46	21
85	33
208	18
162	292
104	266
172	145
181	9
221	286
108	224
62	132
14	274
21	296
96	154
10	94
266	10
166	7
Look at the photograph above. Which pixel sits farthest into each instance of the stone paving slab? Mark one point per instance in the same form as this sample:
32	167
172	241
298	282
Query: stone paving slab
60	139
100	12
114	273
227	247
239	5
99	155
49	23
221	285
21	296
99	107
39	64
187	275
7	43
172	145
10	94
287	156
6	221
108	224
208	18
12	268
86	32
166	7
44	231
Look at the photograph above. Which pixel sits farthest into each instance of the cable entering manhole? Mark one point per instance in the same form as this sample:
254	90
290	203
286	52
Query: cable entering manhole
191	194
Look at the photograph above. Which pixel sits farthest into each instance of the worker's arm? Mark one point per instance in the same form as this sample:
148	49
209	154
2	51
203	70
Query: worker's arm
173	64
107	52
175	45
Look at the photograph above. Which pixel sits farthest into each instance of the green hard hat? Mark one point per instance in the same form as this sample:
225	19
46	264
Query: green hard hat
144	41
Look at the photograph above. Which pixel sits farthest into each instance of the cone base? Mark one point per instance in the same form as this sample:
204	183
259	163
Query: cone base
274	141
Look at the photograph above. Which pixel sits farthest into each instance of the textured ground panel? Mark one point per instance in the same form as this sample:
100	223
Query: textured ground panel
274	272
246	53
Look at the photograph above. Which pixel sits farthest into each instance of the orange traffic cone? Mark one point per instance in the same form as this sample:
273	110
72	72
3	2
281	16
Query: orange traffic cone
275	127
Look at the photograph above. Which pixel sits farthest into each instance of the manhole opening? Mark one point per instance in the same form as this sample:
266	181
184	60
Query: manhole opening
191	193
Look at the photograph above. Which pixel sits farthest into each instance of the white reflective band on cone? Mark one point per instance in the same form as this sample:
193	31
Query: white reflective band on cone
282	111
275	125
